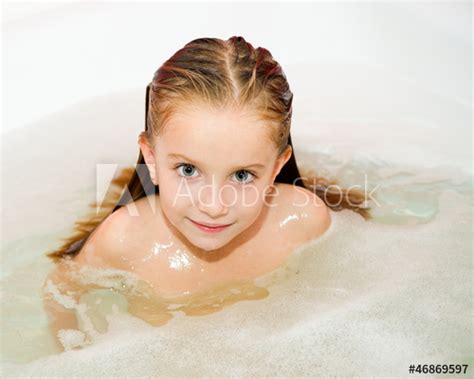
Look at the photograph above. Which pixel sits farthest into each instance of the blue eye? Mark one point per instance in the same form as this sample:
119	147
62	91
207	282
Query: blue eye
246	175
188	169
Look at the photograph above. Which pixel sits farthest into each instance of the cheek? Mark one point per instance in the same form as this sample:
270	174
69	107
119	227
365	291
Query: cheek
172	200
247	219
251	197
249	207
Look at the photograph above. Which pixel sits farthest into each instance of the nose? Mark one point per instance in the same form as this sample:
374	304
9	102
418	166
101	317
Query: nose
212	201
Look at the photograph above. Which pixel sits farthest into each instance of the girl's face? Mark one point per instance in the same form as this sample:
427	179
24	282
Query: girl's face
213	167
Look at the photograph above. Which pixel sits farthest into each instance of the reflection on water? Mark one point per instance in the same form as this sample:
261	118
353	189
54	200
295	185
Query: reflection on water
401	195
93	294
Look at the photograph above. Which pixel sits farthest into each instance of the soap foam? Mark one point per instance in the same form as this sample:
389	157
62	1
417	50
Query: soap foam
366	299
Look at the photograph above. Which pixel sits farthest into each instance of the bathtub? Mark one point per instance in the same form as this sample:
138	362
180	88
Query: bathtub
382	99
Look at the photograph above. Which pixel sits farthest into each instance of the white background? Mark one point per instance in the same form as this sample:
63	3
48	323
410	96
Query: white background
56	54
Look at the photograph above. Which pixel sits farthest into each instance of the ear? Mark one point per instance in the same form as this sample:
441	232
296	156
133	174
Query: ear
149	156
281	161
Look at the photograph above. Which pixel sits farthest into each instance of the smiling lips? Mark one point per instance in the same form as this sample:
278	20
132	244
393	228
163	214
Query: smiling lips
209	227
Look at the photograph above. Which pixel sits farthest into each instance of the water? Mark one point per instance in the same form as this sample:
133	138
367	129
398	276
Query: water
368	298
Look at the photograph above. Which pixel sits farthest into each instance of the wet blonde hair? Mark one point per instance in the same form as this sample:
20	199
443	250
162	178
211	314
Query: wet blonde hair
220	73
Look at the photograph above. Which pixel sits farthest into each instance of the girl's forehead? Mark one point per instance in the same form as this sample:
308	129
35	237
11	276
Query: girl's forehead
208	126
217	134
205	115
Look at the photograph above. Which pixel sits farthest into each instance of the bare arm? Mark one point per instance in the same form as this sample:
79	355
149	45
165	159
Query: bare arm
61	294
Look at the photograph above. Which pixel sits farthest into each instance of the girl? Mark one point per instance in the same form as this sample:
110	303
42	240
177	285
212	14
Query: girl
216	195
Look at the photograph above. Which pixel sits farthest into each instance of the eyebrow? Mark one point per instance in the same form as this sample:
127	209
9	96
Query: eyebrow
181	156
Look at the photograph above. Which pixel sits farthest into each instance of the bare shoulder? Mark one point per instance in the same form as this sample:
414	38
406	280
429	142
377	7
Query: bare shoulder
303	209
120	235
107	242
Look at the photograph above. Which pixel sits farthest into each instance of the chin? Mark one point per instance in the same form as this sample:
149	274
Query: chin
209	245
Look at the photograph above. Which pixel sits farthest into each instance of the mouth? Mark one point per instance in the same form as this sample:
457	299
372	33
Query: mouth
210	228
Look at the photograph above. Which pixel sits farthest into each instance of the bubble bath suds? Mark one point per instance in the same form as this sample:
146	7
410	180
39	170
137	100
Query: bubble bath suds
365	299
